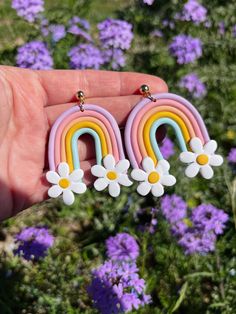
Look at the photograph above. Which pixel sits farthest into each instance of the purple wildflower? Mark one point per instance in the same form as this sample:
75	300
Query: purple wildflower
167	148
168	23
196	241
174	208
186	48
28	9
157	33
33	242
148	220
209	218
34	55
117	288
79	27
234	30
115	57
149	2
232	155
193	84
122	247
221	28
57	31
115	34
193	11
85	56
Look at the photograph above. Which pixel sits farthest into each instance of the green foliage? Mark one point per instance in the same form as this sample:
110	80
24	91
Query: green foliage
178	283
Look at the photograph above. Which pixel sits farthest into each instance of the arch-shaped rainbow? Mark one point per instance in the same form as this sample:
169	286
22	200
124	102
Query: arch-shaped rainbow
94	120
147	116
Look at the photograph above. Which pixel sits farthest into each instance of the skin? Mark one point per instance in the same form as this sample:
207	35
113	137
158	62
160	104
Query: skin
30	101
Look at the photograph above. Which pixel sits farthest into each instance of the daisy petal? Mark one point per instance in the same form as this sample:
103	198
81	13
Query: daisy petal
192	170
122	166
124	180
52	177
148	164
164	164
196	145
210	147
216	160
68	197
168	180
76	175
98	171
63	169
138	175
144	188
109	162
157	190
114	189
187	157
207	172
78	187
54	191
100	184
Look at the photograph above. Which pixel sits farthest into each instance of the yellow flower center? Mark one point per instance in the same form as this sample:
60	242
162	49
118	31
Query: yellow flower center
64	183
202	159
112	175
153	177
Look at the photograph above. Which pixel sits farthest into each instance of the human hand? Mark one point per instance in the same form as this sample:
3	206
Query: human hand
30	101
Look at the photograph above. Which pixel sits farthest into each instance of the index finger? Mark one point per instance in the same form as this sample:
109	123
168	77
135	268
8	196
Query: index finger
61	85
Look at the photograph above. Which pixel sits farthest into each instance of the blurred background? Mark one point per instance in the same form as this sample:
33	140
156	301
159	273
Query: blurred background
131	254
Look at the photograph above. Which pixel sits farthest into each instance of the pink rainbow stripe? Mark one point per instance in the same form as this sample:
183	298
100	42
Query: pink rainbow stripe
171	100
56	126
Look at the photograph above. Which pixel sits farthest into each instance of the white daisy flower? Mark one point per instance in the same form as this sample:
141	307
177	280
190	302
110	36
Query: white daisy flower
202	158
112	175
153	178
65	183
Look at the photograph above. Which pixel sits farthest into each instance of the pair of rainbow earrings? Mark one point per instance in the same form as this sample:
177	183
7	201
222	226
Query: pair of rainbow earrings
150	169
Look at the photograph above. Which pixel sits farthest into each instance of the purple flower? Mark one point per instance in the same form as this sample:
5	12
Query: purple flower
85	56
167	148
117	288
115	34
115	57
193	84
157	33
79	27
221	28
209	218
28	9
234	30
186	48
148	220
122	247
232	155
34	55
57	31
193	11
195	241
168	23
149	2
33	242
174	208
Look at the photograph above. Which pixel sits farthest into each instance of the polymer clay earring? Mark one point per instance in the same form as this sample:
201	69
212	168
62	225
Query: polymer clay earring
65	173
150	169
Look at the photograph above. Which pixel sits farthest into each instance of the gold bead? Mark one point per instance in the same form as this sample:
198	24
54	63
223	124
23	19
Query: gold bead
144	89
80	94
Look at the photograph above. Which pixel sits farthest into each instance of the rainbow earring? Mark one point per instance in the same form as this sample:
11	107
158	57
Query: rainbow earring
65	173
150	169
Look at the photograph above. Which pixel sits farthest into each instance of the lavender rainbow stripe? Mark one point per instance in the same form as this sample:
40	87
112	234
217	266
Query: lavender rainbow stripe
53	133
129	125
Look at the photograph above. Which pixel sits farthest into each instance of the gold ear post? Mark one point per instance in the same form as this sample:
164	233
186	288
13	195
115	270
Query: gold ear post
81	97
144	90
